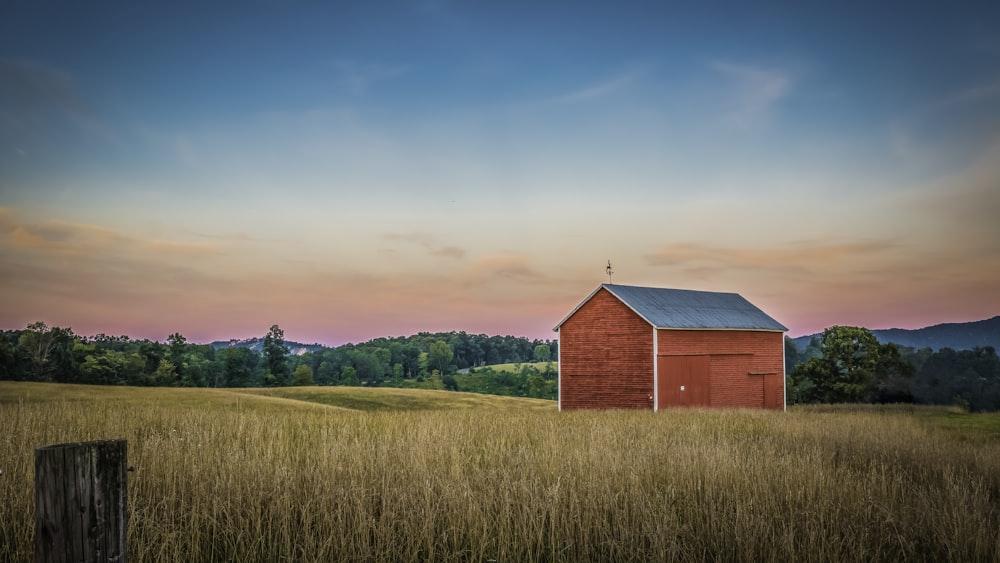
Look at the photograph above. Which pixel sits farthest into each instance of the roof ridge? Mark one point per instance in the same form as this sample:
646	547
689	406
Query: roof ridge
673	308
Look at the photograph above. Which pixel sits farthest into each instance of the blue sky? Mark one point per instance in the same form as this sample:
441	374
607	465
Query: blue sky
352	170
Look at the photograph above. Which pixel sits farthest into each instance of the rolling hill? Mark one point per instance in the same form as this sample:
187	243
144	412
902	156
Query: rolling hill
957	336
277	399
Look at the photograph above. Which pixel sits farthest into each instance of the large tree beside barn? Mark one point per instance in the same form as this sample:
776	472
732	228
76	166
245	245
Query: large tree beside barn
853	367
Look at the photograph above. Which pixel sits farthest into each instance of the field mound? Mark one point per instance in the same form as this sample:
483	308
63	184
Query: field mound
183	397
281	398
392	399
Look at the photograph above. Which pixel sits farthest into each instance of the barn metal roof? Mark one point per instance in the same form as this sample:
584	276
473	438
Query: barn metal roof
688	309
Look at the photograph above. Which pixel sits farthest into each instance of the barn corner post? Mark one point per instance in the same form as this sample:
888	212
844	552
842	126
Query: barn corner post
80	501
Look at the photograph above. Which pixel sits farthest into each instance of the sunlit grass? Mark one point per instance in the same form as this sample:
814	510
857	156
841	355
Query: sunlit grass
390	399
540	366
273	478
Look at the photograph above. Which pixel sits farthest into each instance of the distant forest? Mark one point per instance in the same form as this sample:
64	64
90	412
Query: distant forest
852	365
844	364
426	360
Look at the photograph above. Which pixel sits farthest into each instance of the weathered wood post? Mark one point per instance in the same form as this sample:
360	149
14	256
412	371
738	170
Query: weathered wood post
80	502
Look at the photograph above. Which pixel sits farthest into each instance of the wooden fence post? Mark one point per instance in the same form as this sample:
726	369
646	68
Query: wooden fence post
80	502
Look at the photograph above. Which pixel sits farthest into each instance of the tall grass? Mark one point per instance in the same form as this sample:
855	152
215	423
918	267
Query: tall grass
262	481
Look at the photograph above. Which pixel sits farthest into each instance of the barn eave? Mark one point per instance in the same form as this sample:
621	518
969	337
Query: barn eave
688	309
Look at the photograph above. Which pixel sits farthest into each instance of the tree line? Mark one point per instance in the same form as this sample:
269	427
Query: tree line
844	364
56	354
848	365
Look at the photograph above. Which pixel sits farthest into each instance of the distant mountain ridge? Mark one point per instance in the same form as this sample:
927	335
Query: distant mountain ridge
257	343
957	336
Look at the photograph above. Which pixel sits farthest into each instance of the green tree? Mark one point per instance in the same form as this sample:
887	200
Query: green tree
423	369
199	366
165	374
303	375
439	356
380	365
970	378
37	343
8	356
792	357
543	353
175	351
408	355
152	353
845	371
276	356
349	376
894	376
240	367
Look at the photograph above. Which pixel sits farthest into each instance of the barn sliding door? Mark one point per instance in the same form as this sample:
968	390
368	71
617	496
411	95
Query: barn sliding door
684	381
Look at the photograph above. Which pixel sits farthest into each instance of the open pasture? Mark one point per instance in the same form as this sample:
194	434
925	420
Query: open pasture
409	475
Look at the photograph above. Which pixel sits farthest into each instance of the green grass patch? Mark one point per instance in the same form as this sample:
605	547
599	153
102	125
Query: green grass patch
517	366
280	398
392	399
167	397
968	426
958	423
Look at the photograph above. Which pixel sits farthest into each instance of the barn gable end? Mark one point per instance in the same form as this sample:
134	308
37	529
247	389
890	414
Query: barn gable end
638	347
605	356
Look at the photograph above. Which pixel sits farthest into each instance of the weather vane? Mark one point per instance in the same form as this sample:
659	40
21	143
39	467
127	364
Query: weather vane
609	271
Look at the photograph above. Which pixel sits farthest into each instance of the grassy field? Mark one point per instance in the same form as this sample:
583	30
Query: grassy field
388	399
514	367
405	475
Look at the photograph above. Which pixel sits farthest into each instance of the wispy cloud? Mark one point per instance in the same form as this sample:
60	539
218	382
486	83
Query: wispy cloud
778	268
31	86
30	90
360	76
792	256
960	210
56	238
502	265
99	279
428	242
601	89
751	91
932	131
182	248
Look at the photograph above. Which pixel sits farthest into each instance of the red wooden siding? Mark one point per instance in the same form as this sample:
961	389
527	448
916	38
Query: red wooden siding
605	356
746	367
774	392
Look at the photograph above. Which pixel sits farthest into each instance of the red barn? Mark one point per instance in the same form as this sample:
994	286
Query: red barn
652	348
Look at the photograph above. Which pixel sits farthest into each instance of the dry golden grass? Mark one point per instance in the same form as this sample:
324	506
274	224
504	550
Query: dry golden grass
263	481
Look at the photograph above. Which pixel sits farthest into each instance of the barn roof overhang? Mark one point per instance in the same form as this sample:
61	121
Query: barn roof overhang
682	309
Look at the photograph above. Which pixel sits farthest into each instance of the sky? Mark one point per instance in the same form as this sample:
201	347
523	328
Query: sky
351	170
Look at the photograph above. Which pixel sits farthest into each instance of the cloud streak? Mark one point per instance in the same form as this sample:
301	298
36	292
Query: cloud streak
751	92
429	243
32	92
28	86
601	90
947	127
361	77
99	279
802	253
